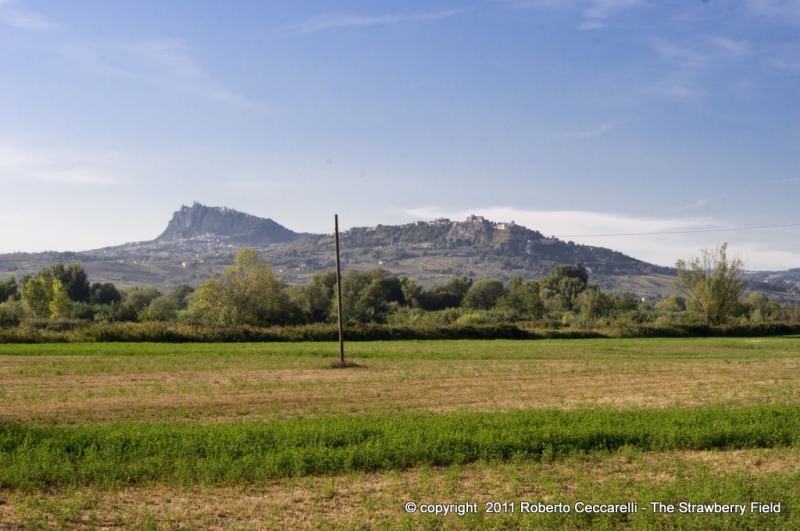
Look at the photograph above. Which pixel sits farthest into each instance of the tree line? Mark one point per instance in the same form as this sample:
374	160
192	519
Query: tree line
249	293
64	292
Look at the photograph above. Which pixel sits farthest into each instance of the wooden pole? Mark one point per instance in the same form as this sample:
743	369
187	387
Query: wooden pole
339	292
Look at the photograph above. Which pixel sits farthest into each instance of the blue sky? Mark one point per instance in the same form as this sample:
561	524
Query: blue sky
573	117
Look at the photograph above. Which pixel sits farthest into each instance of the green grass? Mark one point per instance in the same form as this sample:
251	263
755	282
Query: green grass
70	384
129	453
78	471
151	357
656	348
360	501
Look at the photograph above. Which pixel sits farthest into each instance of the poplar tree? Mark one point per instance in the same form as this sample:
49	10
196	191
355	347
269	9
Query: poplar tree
713	284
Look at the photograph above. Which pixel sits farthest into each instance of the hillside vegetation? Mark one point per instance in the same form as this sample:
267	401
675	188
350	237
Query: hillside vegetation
201	240
249	302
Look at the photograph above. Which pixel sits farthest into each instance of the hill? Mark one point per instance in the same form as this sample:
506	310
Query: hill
200	241
202	222
435	250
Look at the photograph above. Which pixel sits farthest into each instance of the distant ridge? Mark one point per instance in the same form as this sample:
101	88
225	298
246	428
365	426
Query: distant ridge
200	241
201	222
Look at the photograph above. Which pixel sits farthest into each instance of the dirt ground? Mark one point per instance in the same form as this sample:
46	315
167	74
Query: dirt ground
367	501
236	392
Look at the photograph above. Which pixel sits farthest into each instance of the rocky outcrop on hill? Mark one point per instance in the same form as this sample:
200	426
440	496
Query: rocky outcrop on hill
200	241
202	222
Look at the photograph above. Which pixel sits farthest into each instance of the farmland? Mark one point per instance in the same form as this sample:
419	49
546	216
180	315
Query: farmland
253	436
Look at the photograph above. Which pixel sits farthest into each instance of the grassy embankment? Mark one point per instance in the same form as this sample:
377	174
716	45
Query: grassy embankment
637	416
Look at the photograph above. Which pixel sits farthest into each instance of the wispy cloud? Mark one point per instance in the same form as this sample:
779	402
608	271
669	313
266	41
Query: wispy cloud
568	223
590	25
689	62
787	58
542	4
164	62
13	15
676	87
731	47
67	167
260	186
344	21
786	10
697	204
599	10
594	12
595	131
701	53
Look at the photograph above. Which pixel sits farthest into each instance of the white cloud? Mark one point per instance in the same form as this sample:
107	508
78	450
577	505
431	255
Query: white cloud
689	63
260	186
590	25
331	22
786	10
697	204
763	250
161	62
594	12
599	9
675	85
67	167
731	47
787	58
542	4
595	131
22	19
701	53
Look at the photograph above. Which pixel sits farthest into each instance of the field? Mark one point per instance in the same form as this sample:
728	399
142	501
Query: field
269	436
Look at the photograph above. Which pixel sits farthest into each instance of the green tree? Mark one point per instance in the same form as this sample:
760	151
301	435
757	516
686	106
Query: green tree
179	295
51	292
316	298
104	293
593	303
626	302
72	277
37	292
447	295
8	289
138	298
483	295
166	307
561	288
673	303
60	301
11	313
370	295
712	283
247	293
523	298
412	292
761	308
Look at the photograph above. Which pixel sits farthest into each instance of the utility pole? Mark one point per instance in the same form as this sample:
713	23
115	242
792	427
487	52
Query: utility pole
339	292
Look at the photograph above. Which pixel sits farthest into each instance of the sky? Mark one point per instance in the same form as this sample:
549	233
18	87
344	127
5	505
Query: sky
583	119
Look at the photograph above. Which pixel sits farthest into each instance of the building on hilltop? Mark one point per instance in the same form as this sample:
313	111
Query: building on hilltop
503	225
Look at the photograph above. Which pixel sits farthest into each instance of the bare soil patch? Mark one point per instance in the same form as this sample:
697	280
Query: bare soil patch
244	391
364	501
